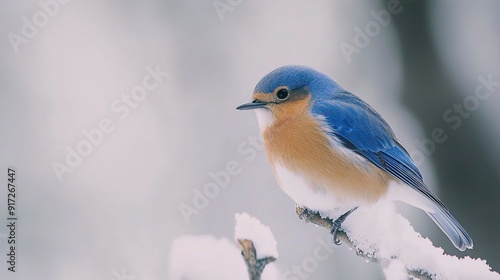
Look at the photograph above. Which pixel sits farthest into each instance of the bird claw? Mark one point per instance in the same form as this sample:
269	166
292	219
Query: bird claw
338	223
337	241
334	232
305	214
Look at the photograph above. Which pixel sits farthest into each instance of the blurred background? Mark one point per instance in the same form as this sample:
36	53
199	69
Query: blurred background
70	68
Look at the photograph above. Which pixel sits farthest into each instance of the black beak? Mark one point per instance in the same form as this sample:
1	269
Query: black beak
255	104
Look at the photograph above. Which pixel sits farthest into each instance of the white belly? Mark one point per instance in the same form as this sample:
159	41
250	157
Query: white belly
314	197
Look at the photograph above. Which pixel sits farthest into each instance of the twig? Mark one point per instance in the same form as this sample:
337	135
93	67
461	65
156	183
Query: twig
255	266
307	215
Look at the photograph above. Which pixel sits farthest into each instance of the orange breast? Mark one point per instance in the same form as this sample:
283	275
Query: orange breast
301	145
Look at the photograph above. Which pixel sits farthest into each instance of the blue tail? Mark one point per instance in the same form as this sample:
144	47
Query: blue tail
449	225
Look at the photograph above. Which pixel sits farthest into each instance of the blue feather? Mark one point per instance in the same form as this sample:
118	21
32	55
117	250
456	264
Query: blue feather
363	130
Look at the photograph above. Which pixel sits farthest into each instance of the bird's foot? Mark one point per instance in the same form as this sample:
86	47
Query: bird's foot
337	225
334	231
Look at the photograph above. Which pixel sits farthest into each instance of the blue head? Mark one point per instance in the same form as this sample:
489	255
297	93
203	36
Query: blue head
296	77
289	90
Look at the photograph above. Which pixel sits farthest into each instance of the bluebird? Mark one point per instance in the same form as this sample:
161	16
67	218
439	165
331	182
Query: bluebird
330	150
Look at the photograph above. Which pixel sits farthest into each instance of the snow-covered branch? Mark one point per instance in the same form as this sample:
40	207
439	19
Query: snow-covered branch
394	243
249	231
205	257
255	266
376	233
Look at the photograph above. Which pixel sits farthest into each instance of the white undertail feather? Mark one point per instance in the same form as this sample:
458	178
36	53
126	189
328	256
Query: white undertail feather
445	221
401	192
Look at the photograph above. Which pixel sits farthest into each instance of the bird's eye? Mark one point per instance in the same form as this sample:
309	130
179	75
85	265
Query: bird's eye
282	93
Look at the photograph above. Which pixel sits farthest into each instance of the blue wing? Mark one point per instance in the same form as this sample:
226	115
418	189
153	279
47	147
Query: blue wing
362	129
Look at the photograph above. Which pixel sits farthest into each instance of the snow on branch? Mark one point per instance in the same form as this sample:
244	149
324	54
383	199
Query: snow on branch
255	266
259	247
205	257
380	235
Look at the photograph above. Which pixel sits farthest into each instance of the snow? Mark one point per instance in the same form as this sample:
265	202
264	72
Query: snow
396	270
381	232
208	258
378	231
251	228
